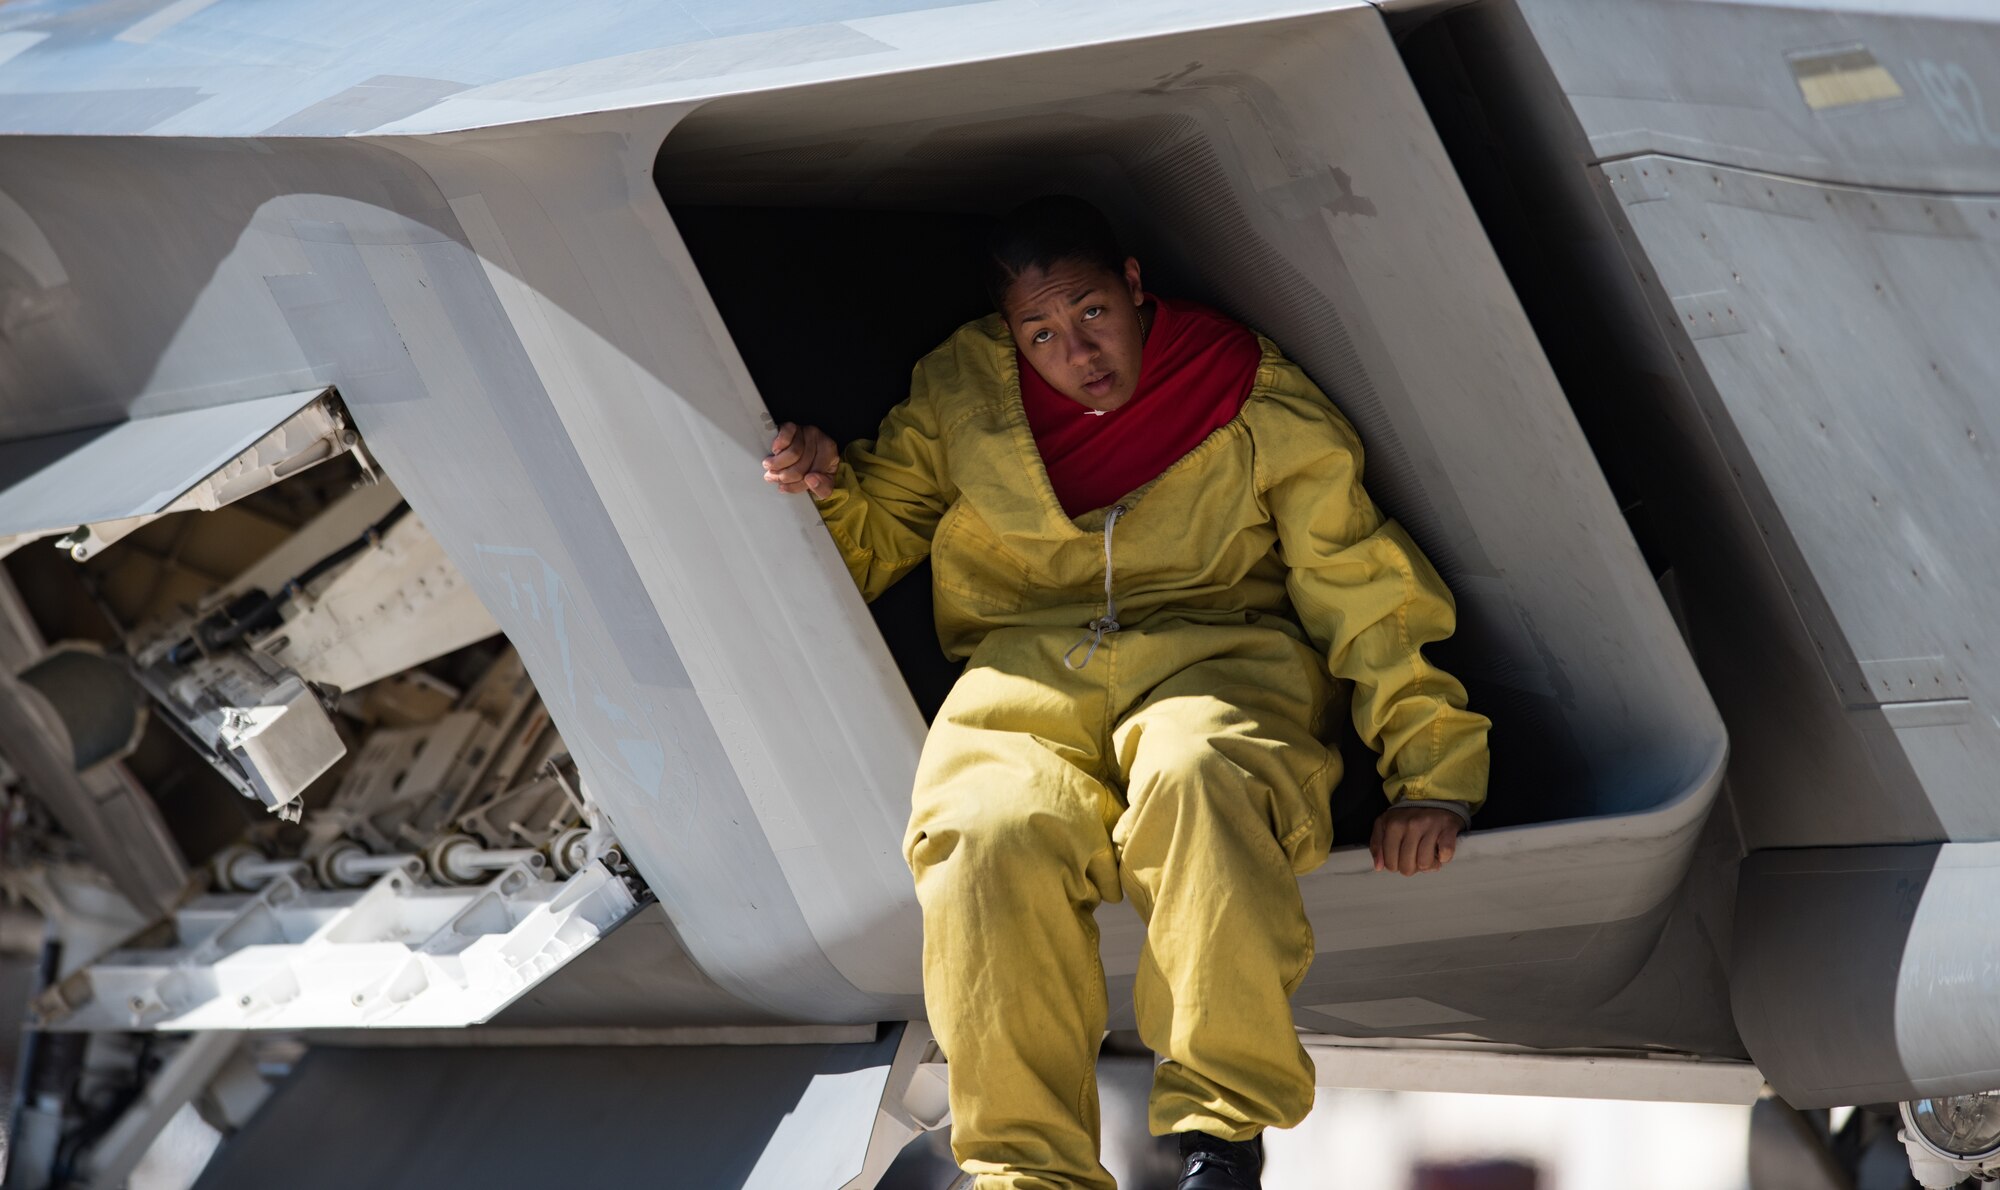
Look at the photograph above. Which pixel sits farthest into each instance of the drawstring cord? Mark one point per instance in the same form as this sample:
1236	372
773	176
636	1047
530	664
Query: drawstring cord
1108	622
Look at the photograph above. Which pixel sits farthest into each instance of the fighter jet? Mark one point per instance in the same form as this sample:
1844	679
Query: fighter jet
413	766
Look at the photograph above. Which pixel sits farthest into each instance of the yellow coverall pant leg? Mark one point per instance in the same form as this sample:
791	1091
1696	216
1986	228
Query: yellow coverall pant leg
1228	791
1010	843
1015	838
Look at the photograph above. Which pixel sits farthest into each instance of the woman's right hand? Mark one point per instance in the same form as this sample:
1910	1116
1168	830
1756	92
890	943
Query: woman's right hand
802	459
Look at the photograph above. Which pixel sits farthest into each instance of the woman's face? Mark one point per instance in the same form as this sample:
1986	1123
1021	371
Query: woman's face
1078	324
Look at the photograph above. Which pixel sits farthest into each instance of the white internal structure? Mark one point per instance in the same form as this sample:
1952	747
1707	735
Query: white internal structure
397	954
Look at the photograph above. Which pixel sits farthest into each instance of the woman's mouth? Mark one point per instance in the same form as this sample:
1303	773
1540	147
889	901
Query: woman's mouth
1102	385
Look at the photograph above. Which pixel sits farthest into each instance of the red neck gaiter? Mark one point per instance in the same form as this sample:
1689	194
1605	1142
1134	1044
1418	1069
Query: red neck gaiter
1194	374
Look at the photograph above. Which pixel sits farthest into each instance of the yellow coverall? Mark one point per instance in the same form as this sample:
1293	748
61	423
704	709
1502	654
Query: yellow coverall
1181	764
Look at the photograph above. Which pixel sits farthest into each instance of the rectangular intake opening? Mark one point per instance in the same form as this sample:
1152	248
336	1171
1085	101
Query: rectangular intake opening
836	234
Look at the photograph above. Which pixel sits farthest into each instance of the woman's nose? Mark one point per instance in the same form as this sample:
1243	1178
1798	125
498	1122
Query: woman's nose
1082	350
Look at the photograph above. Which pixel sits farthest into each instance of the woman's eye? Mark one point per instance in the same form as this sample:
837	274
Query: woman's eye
1093	312
1043	336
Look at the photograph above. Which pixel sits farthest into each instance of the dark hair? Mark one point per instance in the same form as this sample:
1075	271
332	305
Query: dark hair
1044	231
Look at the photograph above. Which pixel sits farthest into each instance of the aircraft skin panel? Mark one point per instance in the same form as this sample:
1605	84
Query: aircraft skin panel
1865	973
241	68
1867	93
1787	217
1824	254
176	321
1846	332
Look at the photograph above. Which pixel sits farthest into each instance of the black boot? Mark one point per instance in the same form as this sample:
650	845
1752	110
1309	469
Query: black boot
1211	1164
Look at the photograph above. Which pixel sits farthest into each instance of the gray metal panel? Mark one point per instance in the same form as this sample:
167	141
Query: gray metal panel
129	307
1865	975
714	1117
1732	83
1805	770
131	469
1854	384
1792	492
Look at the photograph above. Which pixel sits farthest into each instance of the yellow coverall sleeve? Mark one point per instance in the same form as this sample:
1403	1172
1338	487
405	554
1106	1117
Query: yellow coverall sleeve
1369	598
889	493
